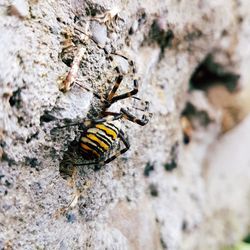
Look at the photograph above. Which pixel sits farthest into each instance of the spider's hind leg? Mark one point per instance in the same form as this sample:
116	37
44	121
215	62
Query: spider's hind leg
122	151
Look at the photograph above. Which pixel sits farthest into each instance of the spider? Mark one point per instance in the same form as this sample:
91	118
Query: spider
99	135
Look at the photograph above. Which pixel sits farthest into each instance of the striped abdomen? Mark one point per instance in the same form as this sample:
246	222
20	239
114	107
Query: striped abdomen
99	139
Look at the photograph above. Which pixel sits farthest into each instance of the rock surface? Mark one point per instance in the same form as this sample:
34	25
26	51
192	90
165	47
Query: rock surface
184	183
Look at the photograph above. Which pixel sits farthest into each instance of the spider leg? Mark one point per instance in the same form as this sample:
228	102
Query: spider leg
109	116
107	113
111	98
115	87
145	104
126	115
127	94
127	146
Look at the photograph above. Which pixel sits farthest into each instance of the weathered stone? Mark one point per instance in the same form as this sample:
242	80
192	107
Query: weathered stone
197	193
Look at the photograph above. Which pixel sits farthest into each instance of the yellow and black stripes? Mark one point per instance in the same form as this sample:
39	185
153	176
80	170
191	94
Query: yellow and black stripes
99	139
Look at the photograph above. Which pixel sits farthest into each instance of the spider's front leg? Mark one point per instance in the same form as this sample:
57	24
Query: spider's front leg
125	114
112	97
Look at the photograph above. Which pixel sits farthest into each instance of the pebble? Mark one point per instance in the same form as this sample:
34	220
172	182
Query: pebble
99	33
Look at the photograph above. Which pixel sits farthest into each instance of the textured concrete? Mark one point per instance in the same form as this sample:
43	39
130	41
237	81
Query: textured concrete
161	194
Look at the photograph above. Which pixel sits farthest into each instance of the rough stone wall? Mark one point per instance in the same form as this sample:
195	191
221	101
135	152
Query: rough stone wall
184	183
